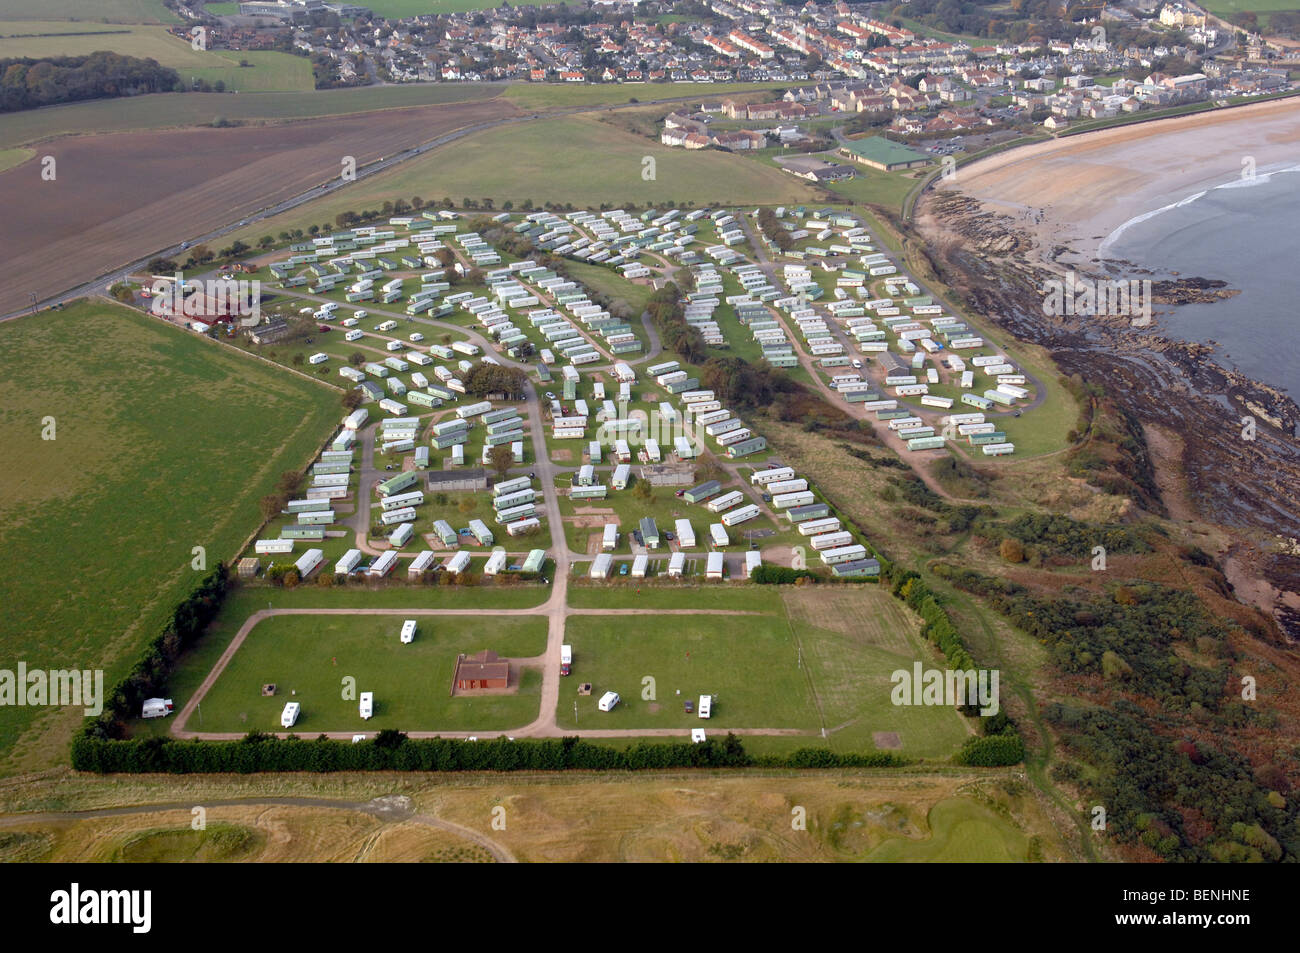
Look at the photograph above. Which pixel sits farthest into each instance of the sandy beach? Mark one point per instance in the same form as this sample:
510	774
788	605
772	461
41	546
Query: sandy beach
1076	191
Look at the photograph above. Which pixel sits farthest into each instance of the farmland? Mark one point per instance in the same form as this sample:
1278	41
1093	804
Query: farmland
228	173
113	11
174	110
163	442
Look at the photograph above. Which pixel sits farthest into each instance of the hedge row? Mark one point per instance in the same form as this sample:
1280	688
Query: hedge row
393	751
148	679
1001	743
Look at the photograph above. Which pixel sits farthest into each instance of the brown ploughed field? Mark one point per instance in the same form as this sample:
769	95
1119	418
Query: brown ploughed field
116	198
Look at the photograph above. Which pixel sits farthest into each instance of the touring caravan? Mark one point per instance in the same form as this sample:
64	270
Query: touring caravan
289	717
408	631
367	704
607	701
157	708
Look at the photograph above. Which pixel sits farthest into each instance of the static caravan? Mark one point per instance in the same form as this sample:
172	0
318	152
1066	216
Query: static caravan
771	475
421	563
742	514
714	566
685	533
348	562
384	564
753	559
622	473
783	501
718	535
309	562
600	566
725	501
677	564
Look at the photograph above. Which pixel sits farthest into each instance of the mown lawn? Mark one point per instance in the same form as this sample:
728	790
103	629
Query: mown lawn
313	655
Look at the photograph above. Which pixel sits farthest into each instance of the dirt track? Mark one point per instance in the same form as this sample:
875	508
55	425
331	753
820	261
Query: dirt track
170	186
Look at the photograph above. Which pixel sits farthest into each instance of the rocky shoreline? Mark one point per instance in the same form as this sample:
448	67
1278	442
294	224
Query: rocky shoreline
1245	481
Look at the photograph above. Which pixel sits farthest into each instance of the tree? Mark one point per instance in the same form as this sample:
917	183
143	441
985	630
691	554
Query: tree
298	359
289	482
1012	550
352	400
500	459
122	291
356	359
272	505
266	241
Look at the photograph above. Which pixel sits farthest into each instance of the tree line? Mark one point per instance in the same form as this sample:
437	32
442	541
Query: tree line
27	83
392	750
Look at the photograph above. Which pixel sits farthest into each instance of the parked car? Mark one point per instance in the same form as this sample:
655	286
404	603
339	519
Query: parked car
668	536
680	493
690	707
323	328
622	569
550	396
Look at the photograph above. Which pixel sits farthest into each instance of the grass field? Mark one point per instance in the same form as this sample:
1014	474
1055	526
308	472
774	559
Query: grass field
12	157
311	655
152	42
560	95
961	831
572	160
1226	8
687	656
112	11
163	442
170	110
268	71
825	655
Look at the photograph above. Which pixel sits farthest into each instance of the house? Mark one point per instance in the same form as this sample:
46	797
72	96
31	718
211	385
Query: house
483	670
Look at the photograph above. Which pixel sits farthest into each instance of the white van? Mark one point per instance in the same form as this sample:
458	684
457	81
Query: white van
408	631
367	704
705	709
289	717
607	701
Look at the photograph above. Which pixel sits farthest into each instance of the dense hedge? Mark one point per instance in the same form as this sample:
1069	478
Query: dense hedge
148	678
992	751
1001	743
393	751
